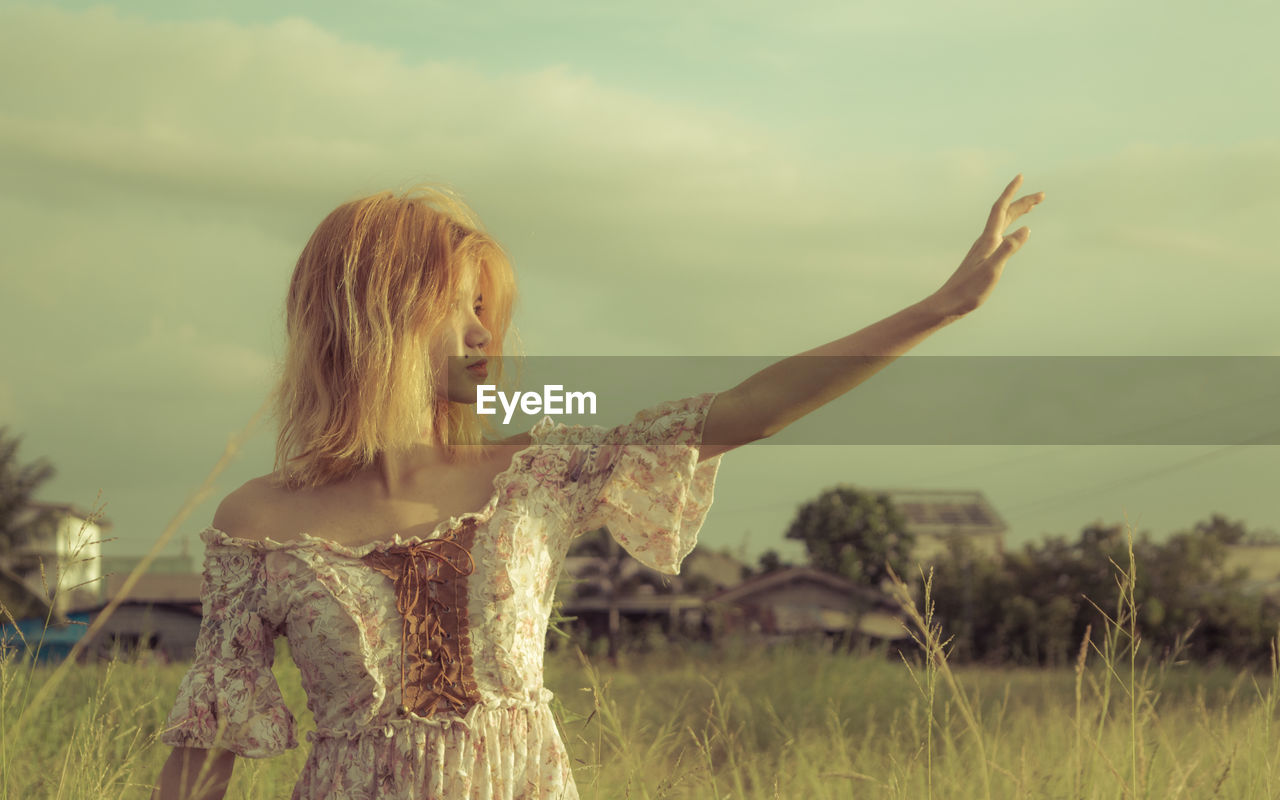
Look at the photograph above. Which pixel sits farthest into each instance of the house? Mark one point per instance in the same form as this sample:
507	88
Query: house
1259	557
160	614
710	598
804	600
49	640
936	518
673	603
64	563
674	614
165	629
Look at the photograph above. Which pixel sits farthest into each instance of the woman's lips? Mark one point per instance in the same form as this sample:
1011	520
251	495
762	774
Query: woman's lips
480	370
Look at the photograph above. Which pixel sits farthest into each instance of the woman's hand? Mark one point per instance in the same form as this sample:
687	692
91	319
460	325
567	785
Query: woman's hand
978	274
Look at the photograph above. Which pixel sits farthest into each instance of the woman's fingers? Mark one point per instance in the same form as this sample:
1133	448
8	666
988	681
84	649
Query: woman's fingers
1008	246
993	246
1006	210
981	268
998	219
1021	206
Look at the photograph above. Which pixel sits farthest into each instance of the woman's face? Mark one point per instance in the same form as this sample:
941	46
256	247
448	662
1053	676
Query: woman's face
457	344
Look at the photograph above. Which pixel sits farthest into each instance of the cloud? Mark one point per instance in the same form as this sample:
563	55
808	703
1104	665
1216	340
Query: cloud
156	162
219	106
1204	246
180	357
274	116
210	148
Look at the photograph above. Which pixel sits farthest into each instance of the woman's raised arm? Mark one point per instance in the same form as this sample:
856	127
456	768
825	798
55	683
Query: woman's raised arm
780	394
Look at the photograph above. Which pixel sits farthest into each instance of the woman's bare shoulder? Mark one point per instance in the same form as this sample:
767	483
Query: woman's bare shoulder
251	511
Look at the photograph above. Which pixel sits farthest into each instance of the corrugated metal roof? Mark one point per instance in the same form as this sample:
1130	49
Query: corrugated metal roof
165	587
932	512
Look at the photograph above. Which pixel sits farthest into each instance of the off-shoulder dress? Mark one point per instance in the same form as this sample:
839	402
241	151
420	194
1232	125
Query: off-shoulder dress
422	658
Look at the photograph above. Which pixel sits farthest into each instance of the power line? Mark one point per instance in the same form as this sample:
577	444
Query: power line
1113	485
1220	411
1098	489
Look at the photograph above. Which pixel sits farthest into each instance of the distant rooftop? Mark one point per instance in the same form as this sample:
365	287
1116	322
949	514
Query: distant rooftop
934	512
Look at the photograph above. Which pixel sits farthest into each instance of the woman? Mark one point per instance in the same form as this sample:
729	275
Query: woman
409	557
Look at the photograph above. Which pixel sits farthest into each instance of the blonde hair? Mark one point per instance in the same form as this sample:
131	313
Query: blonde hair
376	277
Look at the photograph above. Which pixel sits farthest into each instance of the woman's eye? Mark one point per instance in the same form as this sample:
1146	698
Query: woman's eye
479	310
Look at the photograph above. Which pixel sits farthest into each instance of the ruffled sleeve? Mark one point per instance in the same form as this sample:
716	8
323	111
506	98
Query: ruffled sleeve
229	698
641	480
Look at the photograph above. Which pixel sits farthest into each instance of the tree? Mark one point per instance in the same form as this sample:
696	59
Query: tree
854	534
770	561
1034	605
18	484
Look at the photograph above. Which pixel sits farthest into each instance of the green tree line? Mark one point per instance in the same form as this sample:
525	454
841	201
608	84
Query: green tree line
1034	605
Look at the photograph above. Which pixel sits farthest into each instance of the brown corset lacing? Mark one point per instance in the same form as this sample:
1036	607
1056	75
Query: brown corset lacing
431	595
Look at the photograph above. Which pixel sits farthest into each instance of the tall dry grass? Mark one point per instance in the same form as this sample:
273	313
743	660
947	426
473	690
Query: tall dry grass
745	721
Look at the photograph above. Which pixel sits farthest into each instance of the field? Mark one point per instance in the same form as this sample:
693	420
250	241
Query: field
745	721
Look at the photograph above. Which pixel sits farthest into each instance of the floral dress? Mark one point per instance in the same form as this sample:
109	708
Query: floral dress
422	658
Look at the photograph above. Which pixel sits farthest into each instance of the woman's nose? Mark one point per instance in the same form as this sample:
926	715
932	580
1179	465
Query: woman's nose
478	336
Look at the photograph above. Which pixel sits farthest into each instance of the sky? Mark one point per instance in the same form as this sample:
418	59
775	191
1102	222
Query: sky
670	179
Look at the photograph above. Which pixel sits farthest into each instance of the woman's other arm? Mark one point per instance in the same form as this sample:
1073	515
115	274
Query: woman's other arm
185	777
780	394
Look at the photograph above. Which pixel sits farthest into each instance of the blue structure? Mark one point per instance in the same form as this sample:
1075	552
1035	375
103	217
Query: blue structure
54	644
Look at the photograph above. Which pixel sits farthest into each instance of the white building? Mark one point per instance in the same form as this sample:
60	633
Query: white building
69	557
